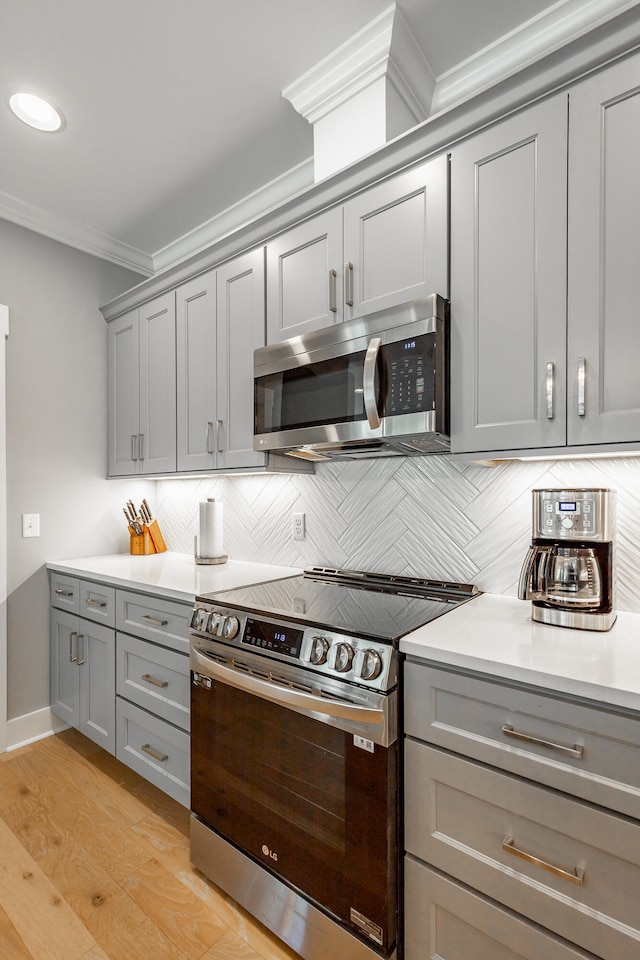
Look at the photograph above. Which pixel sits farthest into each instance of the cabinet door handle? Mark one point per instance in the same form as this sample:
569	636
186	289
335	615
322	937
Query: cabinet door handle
59	592
551	377
154	681
348	283
156	623
333	305
72	659
219	432
141	446
80	637
575	876
147	748
576	751
582	371
209	432
95	603
134	447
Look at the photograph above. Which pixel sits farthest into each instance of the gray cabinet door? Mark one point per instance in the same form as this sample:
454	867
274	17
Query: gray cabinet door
97	671
304	277
64	677
157	434
196	372
123	394
396	240
241	329
508	283
604	239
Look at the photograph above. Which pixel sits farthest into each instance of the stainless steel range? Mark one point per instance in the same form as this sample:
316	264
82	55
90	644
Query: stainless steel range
295	751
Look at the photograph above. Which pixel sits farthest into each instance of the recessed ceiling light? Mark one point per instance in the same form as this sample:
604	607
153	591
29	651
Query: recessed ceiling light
36	112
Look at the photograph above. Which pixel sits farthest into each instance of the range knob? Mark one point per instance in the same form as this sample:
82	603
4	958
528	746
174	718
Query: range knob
319	650
343	657
212	625
230	628
371	665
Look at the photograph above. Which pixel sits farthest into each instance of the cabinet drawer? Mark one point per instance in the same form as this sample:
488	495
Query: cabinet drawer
589	752
155	678
65	592
446	920
155	749
98	602
579	875
162	621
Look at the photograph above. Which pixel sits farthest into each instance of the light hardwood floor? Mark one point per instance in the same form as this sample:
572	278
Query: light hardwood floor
94	865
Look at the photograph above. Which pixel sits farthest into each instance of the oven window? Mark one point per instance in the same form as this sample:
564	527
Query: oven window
298	796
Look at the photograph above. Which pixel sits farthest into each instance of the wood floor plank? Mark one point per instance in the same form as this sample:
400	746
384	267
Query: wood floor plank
175	909
12	788
42	918
11	944
232	947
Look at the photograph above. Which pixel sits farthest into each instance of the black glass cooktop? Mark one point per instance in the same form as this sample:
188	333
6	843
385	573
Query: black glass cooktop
350	602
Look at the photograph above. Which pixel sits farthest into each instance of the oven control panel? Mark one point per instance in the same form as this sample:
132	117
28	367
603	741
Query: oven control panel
354	659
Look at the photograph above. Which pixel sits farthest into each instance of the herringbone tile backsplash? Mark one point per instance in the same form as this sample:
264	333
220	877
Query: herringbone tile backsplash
429	516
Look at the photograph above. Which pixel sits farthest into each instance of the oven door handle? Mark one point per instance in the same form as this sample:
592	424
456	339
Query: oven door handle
285	696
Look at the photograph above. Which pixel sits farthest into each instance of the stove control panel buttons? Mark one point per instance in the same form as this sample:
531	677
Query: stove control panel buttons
371	665
319	650
342	656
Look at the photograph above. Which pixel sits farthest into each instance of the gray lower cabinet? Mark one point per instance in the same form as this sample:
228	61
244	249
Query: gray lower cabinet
499	834
384	247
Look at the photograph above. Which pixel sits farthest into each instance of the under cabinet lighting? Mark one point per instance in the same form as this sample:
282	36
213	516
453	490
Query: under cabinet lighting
36	112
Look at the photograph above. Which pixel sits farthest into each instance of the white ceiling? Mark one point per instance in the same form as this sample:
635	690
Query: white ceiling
174	110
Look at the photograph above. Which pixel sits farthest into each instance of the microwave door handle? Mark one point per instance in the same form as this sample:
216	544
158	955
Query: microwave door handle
369	382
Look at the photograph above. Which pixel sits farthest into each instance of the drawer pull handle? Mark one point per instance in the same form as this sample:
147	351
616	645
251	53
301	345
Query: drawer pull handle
575	876
153	680
63	593
575	751
147	748
156	623
96	603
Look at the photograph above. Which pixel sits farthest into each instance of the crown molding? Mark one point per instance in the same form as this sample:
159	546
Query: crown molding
559	25
74	235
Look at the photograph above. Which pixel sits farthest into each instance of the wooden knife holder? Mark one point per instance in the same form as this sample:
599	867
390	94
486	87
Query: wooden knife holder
141	544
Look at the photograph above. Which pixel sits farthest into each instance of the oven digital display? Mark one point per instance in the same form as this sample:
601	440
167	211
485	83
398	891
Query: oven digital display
567	507
272	636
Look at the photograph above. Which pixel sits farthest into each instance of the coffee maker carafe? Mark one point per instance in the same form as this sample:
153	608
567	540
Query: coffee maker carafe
569	572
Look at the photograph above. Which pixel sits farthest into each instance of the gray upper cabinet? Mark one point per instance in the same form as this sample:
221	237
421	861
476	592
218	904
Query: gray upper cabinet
384	247
604	240
220	322
508	280
142	414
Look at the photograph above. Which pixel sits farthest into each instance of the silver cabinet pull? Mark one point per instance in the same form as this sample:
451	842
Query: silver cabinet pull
134	447
59	592
95	603
156	623
575	876
141	446
147	748
348	283
72	659
576	751
582	370
333	306
368	382
79	661
209	432
154	681
219	432
551	376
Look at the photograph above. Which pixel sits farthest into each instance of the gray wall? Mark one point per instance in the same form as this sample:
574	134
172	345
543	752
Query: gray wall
56	435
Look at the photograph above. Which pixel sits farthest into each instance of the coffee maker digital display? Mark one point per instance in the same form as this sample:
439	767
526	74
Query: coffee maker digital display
568	573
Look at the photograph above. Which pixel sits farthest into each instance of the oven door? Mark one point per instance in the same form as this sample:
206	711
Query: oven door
297	790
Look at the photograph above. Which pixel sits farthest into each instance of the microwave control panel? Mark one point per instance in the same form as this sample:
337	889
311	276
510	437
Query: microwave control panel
409	368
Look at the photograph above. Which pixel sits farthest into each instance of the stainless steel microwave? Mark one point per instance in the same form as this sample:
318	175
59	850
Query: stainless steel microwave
374	386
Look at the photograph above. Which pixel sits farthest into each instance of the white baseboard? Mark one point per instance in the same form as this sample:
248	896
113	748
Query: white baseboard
33	726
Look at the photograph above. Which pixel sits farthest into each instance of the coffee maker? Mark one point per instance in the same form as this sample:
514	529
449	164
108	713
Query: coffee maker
569	571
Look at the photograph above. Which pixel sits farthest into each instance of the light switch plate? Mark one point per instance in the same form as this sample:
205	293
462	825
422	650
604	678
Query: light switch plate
30	524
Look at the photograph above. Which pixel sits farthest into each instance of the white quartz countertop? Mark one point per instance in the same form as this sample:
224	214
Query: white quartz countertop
172	575
495	635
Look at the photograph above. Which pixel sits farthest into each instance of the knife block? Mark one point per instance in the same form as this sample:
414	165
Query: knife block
141	544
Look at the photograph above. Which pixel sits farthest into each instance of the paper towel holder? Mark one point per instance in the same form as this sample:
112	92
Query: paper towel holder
221	559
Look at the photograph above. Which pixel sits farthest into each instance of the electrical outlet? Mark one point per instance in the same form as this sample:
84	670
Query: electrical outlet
297	526
30	524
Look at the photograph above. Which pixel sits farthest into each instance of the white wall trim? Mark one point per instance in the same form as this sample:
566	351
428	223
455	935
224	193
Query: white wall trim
33	726
4	333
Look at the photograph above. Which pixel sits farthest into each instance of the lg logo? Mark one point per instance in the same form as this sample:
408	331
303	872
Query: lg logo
269	853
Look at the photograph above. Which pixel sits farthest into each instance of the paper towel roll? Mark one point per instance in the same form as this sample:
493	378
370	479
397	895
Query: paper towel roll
211	529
